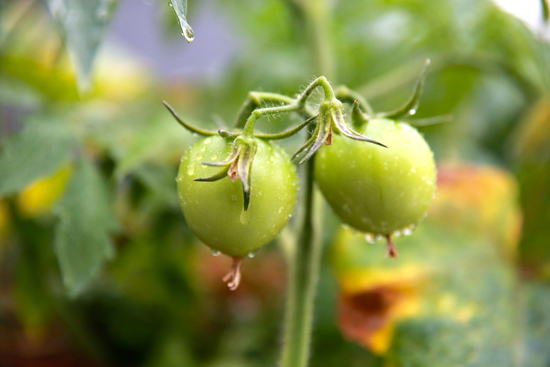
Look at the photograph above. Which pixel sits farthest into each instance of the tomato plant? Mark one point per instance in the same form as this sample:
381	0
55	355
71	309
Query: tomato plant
215	210
377	190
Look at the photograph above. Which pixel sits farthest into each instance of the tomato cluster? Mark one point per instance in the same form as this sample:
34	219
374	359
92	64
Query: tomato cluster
237	190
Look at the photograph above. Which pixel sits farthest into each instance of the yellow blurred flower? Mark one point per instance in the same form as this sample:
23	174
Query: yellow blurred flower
41	195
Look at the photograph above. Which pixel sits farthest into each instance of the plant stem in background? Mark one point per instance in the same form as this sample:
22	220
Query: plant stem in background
318	22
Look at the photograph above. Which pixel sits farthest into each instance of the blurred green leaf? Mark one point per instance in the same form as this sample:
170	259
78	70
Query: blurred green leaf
35	152
180	7
83	23
545	10
432	342
82	236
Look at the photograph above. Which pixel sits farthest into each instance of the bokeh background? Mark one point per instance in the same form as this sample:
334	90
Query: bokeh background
97	265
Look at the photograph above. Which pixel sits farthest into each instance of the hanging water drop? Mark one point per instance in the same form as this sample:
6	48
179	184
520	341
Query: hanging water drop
407	231
188	34
215	252
180	7
251	255
370	238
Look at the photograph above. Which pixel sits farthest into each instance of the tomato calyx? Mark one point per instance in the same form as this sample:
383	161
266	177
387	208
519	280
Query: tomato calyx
330	120
233	278
237	166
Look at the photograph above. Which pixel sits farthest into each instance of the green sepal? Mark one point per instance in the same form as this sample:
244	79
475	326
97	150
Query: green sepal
358	119
230	159
409	108
343	128
218	176
345	94
307	146
244	169
322	135
288	133
193	129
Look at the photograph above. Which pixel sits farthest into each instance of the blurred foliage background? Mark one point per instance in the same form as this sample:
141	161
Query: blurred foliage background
97	265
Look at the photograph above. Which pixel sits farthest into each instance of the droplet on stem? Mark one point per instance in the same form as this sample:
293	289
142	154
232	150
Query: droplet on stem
370	238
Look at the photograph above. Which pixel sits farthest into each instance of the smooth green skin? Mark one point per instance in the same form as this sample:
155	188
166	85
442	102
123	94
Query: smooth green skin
374	189
214	210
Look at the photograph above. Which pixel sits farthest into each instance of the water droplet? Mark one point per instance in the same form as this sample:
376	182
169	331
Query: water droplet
203	149
251	255
273	158
245	217
215	252
207	141
191	169
281	209
188	33
397	234
378	237
290	215
214	157
407	231
370	238
345	226
412	112
199	156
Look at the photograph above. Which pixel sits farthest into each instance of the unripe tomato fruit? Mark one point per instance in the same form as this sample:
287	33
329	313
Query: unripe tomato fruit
214	210
374	189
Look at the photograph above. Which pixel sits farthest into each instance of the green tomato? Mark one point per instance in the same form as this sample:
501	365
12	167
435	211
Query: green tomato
374	189
214	210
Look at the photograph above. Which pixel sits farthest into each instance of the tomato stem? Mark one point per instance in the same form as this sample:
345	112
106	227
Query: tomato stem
391	250
304	266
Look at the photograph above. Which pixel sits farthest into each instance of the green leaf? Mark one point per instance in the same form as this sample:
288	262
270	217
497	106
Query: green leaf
180	7
82	23
82	241
545	10
35	152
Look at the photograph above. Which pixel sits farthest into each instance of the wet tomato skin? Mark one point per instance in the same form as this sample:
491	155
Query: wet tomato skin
375	189
214	210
